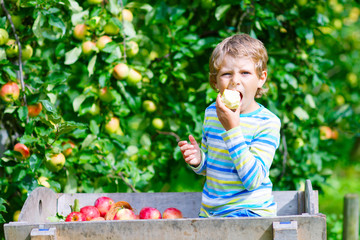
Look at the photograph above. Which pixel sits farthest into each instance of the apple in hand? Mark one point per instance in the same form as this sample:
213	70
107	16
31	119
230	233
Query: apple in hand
23	149
231	99
103	204
34	109
149	213
124	214
75	217
172	213
90	212
9	92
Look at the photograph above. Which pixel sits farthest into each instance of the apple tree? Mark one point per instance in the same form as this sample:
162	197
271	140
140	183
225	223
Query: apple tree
103	91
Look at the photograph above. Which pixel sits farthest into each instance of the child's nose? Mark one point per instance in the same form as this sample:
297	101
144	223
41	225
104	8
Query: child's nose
235	81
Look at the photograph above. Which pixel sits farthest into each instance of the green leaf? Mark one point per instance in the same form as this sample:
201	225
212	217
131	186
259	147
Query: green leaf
36	28
94	127
48	106
34	162
74	6
301	113
309	100
72	55
88	140
69	126
91	65
114	7
221	10
78	101
23	113
129	29
57	22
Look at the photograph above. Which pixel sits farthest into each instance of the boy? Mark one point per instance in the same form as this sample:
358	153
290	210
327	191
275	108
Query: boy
237	146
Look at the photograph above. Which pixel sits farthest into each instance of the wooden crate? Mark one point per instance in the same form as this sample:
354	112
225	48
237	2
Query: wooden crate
298	218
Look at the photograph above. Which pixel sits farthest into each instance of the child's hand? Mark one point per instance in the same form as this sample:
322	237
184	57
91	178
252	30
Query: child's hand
228	118
190	151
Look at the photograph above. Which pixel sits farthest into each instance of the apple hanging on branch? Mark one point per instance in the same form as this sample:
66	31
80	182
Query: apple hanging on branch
10	92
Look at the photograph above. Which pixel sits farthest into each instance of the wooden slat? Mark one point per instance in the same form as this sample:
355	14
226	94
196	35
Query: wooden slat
309	228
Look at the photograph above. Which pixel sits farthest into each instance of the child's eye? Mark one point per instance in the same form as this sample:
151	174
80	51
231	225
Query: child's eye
245	73
226	74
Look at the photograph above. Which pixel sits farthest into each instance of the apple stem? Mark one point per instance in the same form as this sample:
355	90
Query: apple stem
20	72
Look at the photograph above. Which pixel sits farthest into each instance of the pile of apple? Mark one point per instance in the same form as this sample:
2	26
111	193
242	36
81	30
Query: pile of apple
106	208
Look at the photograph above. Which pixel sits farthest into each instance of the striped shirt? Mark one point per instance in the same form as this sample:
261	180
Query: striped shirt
236	163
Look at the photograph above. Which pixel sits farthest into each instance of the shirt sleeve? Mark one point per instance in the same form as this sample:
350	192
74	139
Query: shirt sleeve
253	161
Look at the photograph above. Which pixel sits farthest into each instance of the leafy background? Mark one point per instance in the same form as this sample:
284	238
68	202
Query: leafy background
313	81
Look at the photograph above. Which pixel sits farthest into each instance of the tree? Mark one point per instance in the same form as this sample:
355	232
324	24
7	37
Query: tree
166	47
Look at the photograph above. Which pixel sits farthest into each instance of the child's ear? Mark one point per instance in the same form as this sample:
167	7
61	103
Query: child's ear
262	79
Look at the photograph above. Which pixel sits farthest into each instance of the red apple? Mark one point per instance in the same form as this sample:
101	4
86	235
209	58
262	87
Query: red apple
90	212
75	217
325	132
124	214
149	213
121	71
88	47
34	109
68	150
102	41
9	92
172	213
23	149
103	204
80	31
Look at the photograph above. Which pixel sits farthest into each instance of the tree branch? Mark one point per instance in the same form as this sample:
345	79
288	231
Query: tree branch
171	134
20	52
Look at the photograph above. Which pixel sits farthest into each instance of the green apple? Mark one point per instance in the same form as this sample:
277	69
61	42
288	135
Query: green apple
127	15
12	49
27	52
111	29
55	162
102	41
132	48
43	181
158	123
4	36
112	125
17	21
95	109
10	92
121	71
149	106
94	2
80	31
105	95
134	77
88	47
16	215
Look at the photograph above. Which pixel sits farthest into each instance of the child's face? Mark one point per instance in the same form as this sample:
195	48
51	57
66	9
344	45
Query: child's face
239	74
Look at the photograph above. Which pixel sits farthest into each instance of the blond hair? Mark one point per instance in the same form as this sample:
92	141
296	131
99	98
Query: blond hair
239	45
